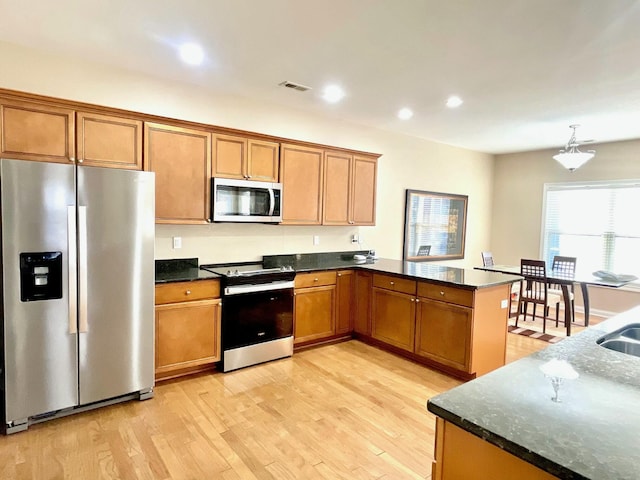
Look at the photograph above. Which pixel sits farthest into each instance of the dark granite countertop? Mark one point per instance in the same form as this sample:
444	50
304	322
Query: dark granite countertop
180	270
461	277
593	433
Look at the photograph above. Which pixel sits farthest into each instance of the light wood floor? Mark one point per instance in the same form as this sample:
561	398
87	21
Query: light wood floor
345	411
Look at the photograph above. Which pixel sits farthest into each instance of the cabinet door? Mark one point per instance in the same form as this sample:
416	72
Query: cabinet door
345	291
393	318
108	141
337	188
264	161
31	131
443	333
181	160
301	174
229	157
362	320
187	335
314	313
363	198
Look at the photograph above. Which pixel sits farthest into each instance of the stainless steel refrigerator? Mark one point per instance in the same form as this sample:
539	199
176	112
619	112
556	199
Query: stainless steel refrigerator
77	289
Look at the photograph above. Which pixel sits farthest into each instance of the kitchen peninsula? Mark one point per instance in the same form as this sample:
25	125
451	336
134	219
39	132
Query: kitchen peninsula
448	318
507	426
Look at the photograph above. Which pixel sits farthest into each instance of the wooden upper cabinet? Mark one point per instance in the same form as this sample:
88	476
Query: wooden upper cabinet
337	188
33	131
349	189
264	161
181	160
301	174
109	141
245	159
229	156
363	198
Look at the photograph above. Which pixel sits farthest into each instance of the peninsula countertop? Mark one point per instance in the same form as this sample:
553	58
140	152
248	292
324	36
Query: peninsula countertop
593	433
459	277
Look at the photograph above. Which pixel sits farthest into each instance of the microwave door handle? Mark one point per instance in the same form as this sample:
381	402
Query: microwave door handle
272	202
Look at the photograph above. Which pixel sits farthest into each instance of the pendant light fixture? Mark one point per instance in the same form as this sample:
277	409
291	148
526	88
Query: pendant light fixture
570	157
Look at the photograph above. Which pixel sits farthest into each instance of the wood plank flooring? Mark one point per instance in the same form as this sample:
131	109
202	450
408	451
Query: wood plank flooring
344	411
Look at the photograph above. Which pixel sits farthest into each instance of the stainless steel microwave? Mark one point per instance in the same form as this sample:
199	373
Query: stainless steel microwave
246	201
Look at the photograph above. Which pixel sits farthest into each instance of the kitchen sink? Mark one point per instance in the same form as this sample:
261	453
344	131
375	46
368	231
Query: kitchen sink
626	340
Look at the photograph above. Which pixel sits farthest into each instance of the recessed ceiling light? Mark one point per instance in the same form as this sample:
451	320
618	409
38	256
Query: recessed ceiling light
454	101
405	113
191	53
333	93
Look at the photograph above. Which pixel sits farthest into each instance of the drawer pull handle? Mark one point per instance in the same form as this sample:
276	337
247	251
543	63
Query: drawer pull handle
188	292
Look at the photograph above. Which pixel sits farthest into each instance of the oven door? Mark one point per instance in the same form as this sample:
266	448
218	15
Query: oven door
246	201
251	318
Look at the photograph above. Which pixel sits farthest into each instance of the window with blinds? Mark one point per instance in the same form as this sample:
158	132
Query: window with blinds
596	222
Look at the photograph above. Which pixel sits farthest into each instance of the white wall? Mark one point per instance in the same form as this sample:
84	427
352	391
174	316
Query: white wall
406	162
518	197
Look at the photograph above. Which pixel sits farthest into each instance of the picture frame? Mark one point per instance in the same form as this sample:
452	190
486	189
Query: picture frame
434	226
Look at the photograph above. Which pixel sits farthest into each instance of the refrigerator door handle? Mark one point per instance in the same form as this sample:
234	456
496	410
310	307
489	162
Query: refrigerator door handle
82	268
72	265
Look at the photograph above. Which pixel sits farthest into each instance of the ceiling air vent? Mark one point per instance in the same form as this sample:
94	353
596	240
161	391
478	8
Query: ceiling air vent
295	86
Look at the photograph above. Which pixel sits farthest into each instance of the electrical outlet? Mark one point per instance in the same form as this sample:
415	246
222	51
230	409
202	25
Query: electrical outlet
504	304
316	239
177	242
355	239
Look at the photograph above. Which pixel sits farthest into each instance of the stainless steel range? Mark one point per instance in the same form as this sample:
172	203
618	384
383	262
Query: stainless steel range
257	313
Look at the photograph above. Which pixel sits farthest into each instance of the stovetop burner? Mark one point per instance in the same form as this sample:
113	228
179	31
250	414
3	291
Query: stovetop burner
249	273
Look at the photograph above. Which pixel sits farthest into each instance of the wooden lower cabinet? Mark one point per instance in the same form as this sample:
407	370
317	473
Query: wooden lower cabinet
188	320
314	313
460	455
443	332
363	291
393	318
345	284
462	331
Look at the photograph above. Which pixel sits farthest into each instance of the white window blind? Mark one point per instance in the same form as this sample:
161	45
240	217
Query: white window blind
598	223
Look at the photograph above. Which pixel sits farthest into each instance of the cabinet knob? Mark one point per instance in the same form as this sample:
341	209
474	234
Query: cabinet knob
417	300
413	299
392	283
80	160
188	292
316	280
339	274
72	160
442	294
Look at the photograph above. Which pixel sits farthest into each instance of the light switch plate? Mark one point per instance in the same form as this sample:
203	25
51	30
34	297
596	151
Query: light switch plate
177	242
316	239
504	304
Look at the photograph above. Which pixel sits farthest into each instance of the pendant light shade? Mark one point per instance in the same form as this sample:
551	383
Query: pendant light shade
571	157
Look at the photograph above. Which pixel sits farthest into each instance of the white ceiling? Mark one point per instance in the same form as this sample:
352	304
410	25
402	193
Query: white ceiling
526	69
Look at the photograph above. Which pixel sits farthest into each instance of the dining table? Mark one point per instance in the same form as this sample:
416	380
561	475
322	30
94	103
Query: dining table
565	280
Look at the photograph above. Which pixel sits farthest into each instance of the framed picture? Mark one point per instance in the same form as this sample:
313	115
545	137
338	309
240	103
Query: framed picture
434	226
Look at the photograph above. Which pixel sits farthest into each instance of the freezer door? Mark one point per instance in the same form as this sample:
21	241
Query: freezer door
40	341
116	230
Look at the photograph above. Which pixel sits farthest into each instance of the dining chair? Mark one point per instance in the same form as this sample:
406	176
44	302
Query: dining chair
534	289
487	259
563	267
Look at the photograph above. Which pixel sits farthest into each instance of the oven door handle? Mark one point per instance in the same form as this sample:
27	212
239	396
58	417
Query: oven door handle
262	287
272	202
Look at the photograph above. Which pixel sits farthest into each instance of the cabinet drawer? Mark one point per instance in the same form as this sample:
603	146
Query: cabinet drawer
454	295
396	284
315	279
187	291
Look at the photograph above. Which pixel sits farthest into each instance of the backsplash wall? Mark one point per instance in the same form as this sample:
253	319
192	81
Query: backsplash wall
233	242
